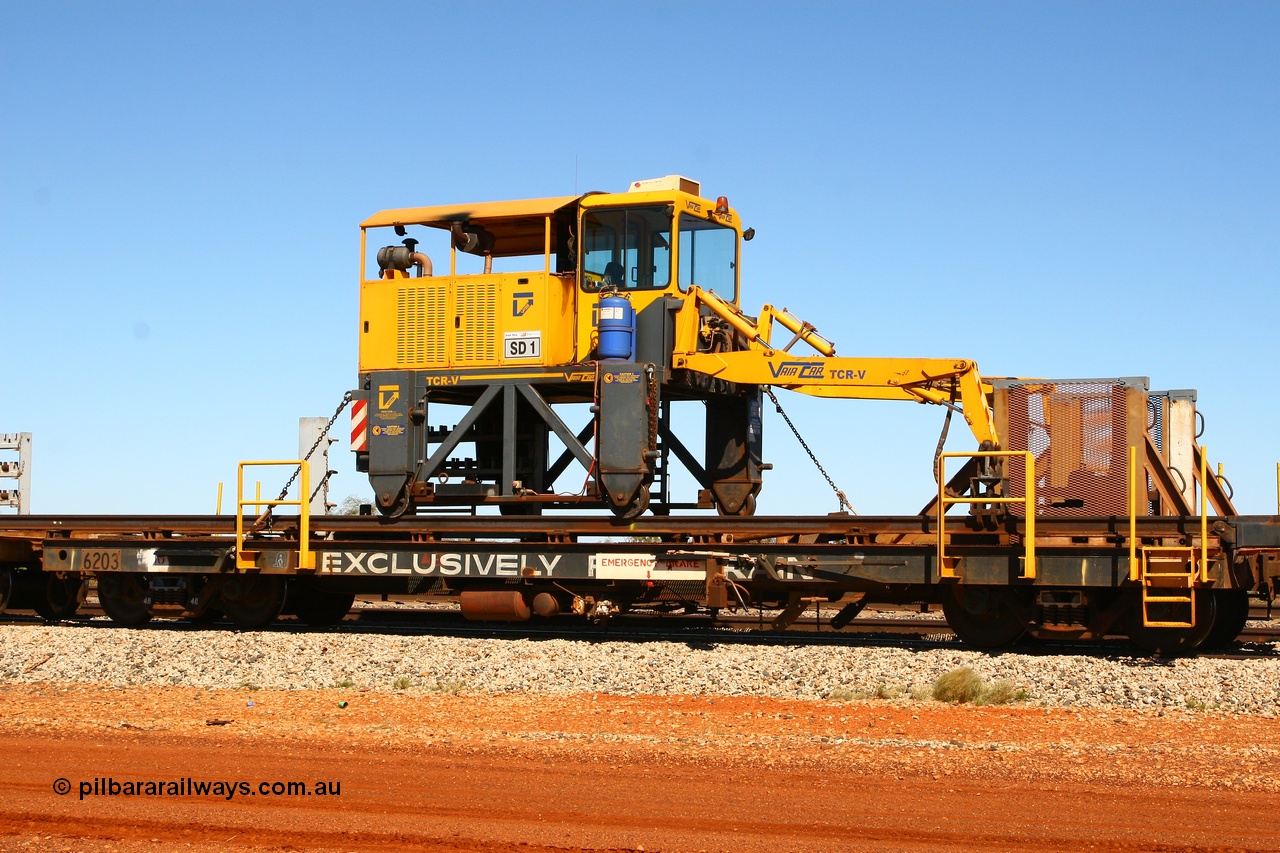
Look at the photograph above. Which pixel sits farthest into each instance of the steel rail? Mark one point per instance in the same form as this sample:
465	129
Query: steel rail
713	528
736	630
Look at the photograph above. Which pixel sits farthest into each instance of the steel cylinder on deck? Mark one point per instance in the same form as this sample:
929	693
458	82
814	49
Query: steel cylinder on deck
617	327
494	606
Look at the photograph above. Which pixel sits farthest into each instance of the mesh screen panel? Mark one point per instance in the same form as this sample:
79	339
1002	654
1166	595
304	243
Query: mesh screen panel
474	340
1155	429
1155	420
682	591
1077	431
420	319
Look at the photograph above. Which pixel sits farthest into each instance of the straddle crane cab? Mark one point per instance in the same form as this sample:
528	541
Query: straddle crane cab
548	344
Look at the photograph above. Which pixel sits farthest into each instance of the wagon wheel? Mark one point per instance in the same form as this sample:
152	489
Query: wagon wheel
60	595
207	616
983	616
317	607
1231	612
252	601
121	598
1172	641
6	588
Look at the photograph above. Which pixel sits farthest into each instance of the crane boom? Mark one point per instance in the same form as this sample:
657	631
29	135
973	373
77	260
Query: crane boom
947	382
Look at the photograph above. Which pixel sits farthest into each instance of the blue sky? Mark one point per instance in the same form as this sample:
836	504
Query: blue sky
1052	189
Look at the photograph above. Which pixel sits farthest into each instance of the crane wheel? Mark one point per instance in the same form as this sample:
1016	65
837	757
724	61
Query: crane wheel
397	507
747	509
635	509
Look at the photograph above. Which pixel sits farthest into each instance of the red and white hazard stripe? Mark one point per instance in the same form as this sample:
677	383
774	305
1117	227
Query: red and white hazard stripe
359	425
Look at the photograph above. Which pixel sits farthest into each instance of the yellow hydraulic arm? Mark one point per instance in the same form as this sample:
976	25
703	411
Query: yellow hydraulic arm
948	382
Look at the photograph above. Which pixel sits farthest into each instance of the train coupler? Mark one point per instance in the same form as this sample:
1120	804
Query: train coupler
597	612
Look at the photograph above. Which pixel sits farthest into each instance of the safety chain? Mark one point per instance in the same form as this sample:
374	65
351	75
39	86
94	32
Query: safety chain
264	520
653	408
844	502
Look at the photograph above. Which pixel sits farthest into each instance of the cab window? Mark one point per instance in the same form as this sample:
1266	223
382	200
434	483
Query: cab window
629	247
708	256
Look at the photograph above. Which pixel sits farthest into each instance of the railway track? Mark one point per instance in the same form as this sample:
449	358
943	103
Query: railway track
738	629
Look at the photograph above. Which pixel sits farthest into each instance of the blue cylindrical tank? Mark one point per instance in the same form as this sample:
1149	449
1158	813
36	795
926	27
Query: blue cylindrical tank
617	327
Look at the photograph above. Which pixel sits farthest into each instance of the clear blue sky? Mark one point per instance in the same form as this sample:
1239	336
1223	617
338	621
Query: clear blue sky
1052	189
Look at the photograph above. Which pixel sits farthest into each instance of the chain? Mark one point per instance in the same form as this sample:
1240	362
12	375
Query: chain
844	502
323	480
946	425
264	520
653	409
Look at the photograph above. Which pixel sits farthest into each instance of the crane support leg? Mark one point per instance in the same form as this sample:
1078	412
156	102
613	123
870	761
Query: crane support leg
626	435
733	452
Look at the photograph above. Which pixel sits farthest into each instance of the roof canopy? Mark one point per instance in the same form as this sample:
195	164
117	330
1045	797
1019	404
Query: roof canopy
517	226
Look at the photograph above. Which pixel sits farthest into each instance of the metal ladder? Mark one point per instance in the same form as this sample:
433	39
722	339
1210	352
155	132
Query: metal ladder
948	566
1168	575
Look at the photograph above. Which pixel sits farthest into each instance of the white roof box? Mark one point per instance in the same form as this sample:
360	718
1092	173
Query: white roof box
668	182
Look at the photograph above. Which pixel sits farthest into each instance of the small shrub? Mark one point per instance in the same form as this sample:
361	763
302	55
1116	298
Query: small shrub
401	682
964	685
449	686
346	682
921	692
847	694
958	686
248	686
1001	693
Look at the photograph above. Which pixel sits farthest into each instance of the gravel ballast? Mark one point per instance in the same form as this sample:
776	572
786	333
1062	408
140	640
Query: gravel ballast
95	654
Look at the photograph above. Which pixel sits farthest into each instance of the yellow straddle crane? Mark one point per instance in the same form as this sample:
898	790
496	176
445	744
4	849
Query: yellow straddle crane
626	301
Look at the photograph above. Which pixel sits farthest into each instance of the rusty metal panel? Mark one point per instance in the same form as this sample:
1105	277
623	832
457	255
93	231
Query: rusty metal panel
1079	431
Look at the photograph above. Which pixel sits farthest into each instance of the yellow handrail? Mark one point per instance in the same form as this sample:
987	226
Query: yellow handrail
1204	515
1134	574
306	558
1028	500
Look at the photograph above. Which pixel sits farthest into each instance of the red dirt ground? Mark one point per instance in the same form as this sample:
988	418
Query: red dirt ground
441	772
